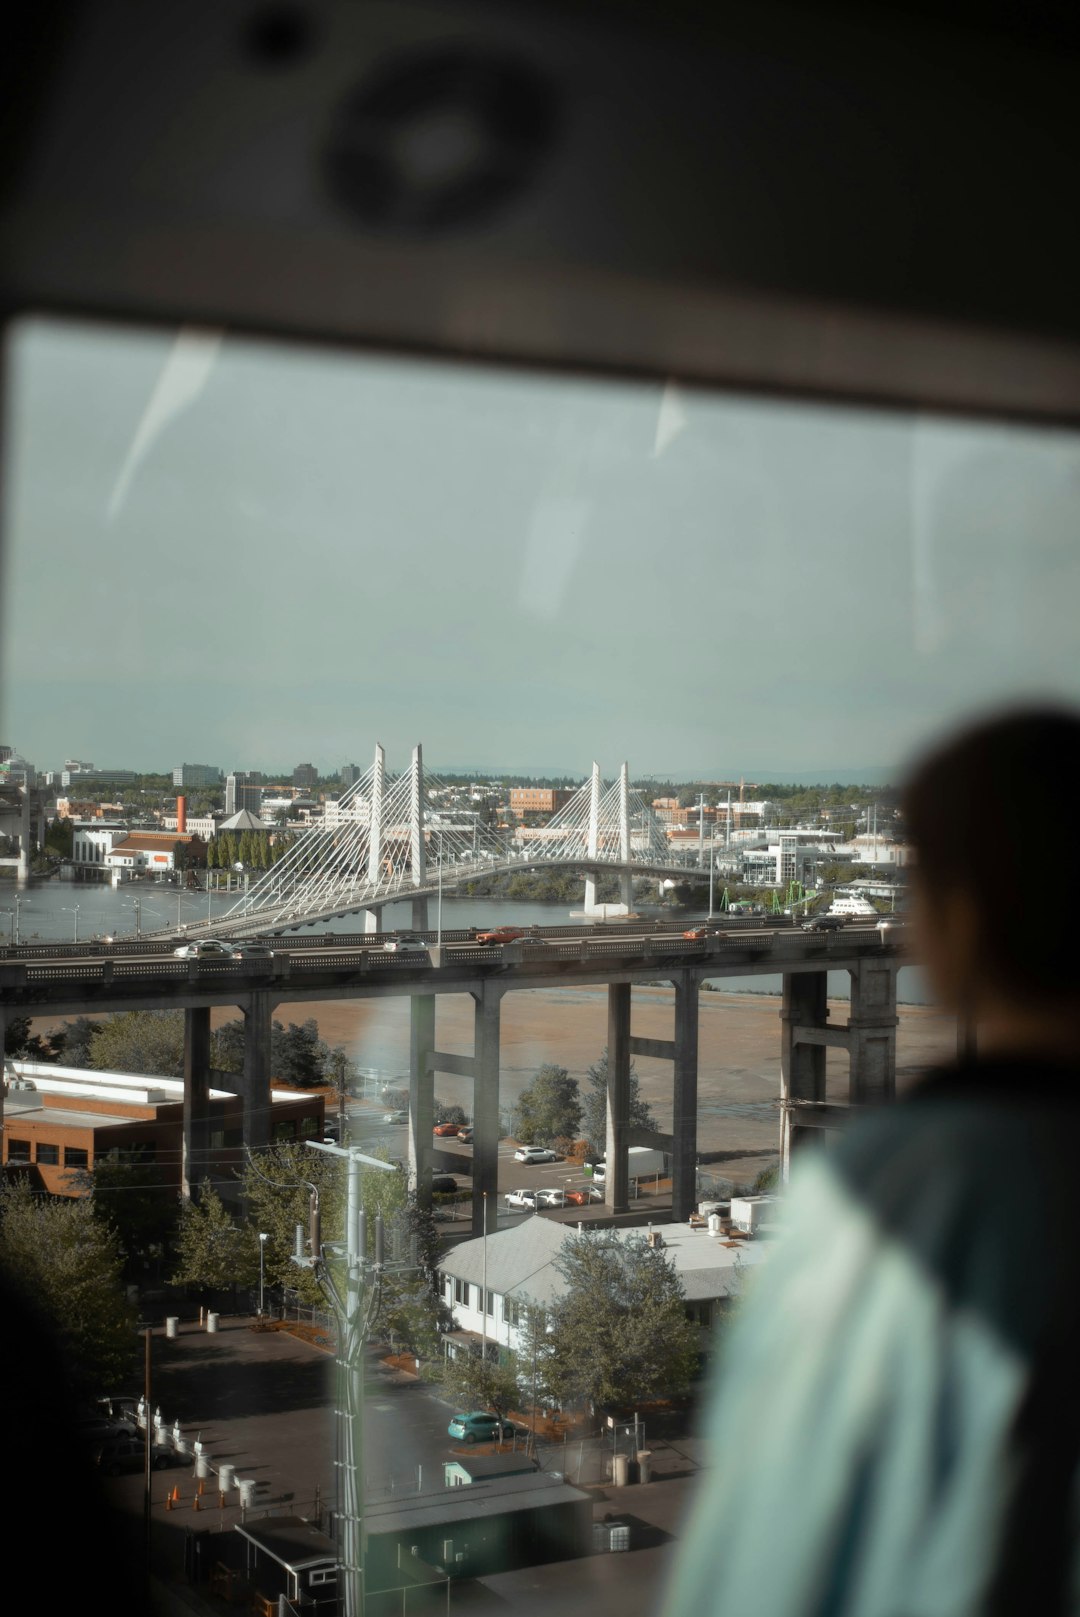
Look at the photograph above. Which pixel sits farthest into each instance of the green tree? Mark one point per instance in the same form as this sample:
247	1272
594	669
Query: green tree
295	1053
137	1202
60	838
594	1109
549	1109
70	1042
149	1042
411	1314
21	1041
214	1249
619	1334
471	1381
444	1111
67	1263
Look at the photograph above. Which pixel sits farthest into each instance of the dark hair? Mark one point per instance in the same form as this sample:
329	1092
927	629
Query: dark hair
968	807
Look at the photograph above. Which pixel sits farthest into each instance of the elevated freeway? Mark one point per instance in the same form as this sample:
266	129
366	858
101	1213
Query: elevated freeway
60	980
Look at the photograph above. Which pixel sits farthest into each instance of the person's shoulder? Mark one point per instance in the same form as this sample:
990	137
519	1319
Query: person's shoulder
971	1174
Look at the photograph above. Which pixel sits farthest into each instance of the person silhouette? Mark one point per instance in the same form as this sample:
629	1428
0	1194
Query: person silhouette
895	1417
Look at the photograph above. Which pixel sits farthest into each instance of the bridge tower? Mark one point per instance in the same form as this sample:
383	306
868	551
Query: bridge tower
592	847
373	916
626	879
417	843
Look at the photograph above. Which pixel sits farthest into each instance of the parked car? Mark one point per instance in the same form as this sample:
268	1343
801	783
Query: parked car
444	1184
582	1195
203	949
395	1117
599	1173
479	1427
523	1198
446	1130
465	1134
535	1153
252	949
552	1198
405	943
501	934
118	1454
92	1430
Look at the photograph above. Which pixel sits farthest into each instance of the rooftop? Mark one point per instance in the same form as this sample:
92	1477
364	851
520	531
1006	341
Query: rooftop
523	1261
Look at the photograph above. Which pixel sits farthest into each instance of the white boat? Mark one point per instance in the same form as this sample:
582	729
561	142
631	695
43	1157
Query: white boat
853	906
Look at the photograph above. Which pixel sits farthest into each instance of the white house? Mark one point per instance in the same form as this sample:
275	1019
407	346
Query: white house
521	1267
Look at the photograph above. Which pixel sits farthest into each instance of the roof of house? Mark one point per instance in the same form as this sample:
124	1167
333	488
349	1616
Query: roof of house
151	842
244	820
522	1261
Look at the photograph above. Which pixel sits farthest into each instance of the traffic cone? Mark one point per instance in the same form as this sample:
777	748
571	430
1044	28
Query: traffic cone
195	1502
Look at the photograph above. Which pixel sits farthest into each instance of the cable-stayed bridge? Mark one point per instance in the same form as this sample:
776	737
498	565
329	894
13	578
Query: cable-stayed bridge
391	837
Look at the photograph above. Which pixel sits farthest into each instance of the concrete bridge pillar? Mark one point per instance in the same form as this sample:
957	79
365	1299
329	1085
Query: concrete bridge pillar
421	1094
378	789
872	1033
258	1013
486	1027
592	845
418	844
420	914
684	1129
196	1150
22	873
802	1064
373	918
616	1186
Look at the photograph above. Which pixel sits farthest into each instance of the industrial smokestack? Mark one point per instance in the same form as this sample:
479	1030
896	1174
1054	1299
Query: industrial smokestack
181	816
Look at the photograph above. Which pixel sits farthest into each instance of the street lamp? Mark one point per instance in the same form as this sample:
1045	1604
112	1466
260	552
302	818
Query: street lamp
68	910
263	1237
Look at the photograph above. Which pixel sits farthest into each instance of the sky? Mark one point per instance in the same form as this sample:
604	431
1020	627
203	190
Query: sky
250	555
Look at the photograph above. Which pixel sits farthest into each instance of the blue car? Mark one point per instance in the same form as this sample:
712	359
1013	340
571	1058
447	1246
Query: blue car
479	1428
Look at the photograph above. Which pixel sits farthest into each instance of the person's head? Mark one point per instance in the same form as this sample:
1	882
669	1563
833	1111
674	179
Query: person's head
990	816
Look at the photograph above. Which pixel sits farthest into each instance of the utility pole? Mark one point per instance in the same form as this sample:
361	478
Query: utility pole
701	830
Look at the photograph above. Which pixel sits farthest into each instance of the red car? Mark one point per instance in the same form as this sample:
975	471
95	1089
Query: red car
582	1198
447	1128
501	934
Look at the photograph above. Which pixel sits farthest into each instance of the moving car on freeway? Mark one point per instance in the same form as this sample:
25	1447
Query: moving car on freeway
535	1153
501	934
203	949
251	949
405	943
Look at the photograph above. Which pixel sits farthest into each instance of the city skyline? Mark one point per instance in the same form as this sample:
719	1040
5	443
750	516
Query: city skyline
248	551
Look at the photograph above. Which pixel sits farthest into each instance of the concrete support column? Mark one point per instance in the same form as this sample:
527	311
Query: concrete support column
872	1033
616	1187
593	845
802	1066
420	914
373	918
421	1094
684	1130
196	1154
486	1020
258	1011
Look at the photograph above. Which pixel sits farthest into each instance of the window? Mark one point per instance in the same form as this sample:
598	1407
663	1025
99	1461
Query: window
48	1155
285	1129
18	1150
490	1303
76	1156
309	1128
461	1293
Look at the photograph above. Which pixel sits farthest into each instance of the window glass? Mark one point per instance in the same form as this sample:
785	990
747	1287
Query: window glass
232	569
48	1155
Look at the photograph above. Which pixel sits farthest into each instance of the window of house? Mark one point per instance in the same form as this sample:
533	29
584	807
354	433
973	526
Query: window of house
48	1155
18	1150
76	1156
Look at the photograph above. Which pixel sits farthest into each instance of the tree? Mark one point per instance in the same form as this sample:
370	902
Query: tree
445	1113
66	1262
619	1334
20	1041
70	1042
594	1111
140	1041
214	1251
137	1202
474	1382
549	1108
413	1316
295	1053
